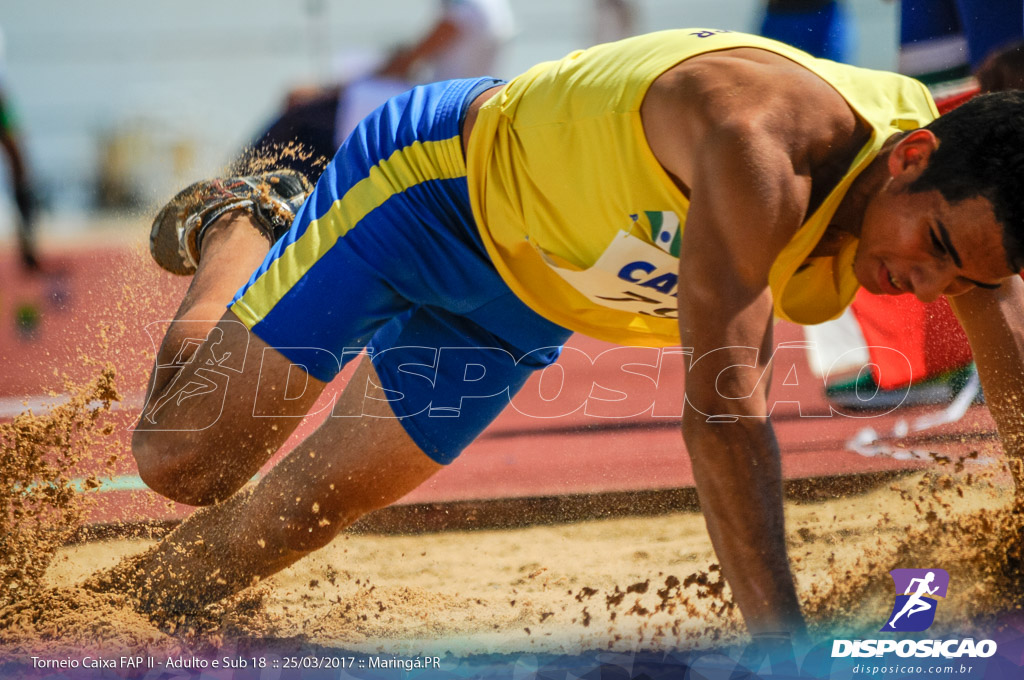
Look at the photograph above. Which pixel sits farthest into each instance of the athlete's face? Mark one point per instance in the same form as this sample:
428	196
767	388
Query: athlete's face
919	243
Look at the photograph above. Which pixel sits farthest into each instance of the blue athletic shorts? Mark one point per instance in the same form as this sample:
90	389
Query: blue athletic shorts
986	24
385	254
826	32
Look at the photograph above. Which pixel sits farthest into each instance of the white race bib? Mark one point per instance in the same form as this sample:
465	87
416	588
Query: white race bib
631	275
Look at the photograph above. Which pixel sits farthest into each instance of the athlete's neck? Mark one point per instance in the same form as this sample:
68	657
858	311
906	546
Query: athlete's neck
849	216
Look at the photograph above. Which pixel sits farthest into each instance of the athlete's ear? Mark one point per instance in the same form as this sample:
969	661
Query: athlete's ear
910	156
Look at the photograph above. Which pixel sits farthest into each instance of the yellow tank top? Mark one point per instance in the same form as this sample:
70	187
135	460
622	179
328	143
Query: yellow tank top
583	223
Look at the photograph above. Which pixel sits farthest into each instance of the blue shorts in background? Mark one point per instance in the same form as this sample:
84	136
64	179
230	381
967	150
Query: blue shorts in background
826	32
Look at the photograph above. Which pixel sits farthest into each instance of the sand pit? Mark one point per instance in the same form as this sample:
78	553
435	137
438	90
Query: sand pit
622	584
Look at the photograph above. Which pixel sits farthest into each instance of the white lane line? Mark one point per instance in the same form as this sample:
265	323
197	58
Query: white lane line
39	404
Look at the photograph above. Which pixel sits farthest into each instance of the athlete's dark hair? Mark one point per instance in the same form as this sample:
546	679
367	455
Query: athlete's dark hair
981	153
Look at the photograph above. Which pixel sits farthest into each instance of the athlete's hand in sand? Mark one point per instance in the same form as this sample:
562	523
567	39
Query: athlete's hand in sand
994	322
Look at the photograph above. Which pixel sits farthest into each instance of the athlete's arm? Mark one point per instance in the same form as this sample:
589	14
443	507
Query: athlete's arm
748	196
440	37
994	322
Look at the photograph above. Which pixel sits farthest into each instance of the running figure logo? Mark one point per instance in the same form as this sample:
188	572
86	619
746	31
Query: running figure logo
916	590
211	369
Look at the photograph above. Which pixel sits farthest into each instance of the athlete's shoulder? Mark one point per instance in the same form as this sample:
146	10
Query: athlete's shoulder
758	97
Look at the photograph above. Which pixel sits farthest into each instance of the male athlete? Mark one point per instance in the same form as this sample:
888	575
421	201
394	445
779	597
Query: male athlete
476	214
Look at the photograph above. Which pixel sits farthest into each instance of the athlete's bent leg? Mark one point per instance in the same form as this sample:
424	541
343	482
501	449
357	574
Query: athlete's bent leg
345	469
199	439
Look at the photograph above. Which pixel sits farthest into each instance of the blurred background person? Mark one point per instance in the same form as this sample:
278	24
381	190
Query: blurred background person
947	40
1003	69
821	27
21	186
464	41
613	20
